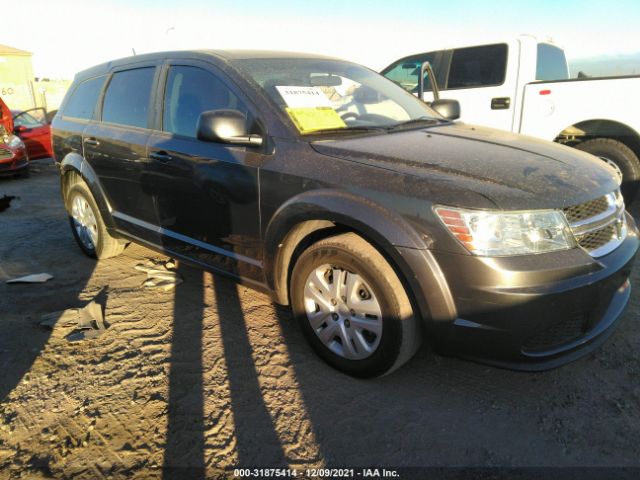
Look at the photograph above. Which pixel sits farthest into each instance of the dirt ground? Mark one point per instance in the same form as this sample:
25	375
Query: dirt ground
213	375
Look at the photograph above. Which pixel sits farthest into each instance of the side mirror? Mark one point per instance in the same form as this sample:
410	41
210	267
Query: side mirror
225	126
20	129
448	108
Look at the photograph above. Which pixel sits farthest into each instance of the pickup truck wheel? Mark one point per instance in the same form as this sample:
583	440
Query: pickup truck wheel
87	225
617	153
352	307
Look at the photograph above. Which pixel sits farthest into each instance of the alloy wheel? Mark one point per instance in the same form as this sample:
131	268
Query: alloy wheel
343	311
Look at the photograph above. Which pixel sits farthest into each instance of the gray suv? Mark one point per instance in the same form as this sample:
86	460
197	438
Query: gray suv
378	219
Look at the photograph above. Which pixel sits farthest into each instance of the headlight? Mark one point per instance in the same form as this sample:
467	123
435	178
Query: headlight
15	142
492	233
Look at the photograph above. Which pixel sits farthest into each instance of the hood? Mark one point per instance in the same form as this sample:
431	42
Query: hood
513	171
6	120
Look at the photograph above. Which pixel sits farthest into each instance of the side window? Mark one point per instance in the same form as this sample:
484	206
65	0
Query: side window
191	91
483	66
126	101
25	119
551	63
406	72
82	102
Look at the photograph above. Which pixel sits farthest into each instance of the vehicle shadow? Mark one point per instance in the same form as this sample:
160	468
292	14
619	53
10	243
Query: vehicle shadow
184	448
255	437
28	241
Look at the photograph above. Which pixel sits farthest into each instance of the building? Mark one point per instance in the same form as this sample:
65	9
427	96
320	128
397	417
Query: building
16	77
18	87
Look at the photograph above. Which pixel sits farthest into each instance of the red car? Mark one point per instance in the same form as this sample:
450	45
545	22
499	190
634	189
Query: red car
13	152
34	130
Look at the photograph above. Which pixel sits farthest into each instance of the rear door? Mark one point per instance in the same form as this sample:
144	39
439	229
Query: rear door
116	145
206	193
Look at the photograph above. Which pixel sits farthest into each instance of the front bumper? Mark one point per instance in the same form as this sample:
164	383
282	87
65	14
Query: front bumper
15	164
533	312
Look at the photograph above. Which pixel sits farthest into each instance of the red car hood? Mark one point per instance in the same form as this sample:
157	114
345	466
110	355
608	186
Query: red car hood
6	120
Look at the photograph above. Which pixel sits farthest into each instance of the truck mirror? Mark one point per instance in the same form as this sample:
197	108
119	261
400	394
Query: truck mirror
448	108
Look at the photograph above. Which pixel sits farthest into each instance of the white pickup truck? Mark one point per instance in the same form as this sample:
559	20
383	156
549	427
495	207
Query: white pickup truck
524	86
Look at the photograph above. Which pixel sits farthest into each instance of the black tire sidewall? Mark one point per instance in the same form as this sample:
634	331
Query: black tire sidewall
79	189
627	164
391	339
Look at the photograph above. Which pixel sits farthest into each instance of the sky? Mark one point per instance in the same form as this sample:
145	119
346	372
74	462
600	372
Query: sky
67	36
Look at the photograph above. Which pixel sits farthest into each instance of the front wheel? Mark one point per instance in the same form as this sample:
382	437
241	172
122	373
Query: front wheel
621	158
352	307
87	225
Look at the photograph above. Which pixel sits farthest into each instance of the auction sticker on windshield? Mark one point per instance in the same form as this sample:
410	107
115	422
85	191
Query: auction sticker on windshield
309	108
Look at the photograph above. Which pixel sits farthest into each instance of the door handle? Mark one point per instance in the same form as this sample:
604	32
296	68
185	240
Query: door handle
91	141
500	103
161	156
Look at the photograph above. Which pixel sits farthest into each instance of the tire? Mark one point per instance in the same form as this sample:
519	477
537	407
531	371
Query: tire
354	260
617	152
98	244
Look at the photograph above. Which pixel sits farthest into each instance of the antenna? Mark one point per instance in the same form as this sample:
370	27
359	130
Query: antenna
133	50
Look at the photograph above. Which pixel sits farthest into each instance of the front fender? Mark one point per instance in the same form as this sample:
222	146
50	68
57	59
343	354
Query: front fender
386	230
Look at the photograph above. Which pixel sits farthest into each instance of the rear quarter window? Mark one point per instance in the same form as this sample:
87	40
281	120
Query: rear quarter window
551	63
84	97
483	66
126	101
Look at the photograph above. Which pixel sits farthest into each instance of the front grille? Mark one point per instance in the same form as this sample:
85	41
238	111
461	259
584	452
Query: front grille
5	153
586	210
598	238
598	225
559	334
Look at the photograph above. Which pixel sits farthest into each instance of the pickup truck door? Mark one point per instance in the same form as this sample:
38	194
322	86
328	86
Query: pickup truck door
206	193
483	79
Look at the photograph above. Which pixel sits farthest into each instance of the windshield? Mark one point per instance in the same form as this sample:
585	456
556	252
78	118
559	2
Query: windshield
332	95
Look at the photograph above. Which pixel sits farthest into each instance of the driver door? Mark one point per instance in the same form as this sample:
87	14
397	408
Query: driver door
206	193
35	132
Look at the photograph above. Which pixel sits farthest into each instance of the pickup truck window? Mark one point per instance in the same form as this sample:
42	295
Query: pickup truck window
551	63
330	95
126	101
405	72
482	66
83	100
191	91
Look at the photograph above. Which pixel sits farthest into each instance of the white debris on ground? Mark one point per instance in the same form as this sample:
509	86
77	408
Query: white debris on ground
34	278
161	275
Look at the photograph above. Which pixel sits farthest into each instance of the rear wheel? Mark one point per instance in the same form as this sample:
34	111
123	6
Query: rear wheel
618	155
352	307
87	225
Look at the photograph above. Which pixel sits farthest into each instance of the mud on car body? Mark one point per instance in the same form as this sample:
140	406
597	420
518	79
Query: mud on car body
380	222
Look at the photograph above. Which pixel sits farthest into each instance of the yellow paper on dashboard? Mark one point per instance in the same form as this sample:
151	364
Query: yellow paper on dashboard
310	119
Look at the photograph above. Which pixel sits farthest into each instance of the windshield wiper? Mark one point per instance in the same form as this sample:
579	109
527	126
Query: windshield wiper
428	121
348	129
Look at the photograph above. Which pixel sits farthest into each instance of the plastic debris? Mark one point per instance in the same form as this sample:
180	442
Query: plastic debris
34	278
5	202
87	322
160	275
